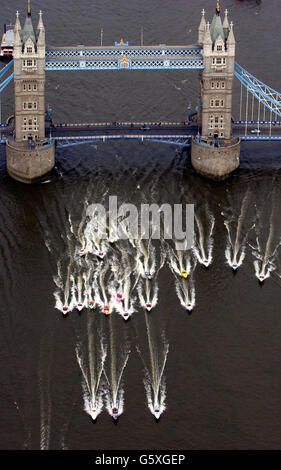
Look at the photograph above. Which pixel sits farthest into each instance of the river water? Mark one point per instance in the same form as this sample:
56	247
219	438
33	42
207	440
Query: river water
213	374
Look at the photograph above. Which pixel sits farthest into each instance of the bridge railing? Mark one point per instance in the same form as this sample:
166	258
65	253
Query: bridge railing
3	72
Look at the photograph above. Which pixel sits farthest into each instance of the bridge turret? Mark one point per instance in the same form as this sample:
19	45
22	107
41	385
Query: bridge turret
225	25
17	37
207	41
217	77
41	33
202	28
29	156
231	42
30	80
220	155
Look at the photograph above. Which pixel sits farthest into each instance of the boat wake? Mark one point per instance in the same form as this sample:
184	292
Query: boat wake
119	352
204	242
91	363
238	224
154	379
267	240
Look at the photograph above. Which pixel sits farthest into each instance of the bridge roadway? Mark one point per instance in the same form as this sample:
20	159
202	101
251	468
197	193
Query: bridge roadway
164	131
118	130
148	129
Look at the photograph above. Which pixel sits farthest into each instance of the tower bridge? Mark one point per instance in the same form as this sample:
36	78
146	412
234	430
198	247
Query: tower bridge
214	138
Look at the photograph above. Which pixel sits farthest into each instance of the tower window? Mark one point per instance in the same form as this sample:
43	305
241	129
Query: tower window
213	85
219	61
29	50
29	63
34	105
35	86
219	48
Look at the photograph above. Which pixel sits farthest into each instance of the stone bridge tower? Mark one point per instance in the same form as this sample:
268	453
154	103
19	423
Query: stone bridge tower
216	153
29	155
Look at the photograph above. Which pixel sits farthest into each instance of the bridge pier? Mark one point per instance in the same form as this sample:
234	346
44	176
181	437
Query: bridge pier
213	162
26	164
30	155
215	153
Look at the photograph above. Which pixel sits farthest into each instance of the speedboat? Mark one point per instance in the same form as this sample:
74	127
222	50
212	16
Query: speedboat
184	274
125	315
65	310
91	303
106	310
79	306
119	297
82	252
93	414
156	412
261	277
148	275
100	254
189	307
148	307
234	267
114	413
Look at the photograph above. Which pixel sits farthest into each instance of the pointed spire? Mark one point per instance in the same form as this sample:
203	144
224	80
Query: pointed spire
41	43
17	23
40	22
231	38
202	28
28	8
207	37
225	21
17	36
203	21
216	26
28	31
